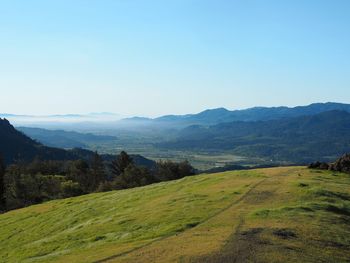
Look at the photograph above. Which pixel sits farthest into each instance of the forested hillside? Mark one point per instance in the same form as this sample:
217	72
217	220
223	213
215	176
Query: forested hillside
303	139
14	145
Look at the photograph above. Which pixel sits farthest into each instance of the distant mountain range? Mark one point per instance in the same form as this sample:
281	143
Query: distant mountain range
105	120
221	115
322	136
320	131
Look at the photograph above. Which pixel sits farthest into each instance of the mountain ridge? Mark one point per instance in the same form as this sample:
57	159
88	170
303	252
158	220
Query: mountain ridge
219	115
300	139
213	116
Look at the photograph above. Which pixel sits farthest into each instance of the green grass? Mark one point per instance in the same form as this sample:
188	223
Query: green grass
282	214
202	160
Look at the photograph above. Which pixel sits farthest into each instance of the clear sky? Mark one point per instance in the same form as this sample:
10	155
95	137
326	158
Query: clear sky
148	57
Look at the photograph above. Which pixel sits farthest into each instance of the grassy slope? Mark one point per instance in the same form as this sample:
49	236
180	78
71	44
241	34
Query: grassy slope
274	215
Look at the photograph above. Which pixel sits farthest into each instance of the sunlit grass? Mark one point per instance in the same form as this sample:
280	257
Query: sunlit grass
289	214
104	224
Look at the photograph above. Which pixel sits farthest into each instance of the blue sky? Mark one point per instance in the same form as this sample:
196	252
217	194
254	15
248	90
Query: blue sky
151	58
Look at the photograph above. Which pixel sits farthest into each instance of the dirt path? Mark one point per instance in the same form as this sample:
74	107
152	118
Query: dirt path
242	245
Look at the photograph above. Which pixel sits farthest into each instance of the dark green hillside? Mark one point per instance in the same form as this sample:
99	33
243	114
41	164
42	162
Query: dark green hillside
323	136
65	139
16	146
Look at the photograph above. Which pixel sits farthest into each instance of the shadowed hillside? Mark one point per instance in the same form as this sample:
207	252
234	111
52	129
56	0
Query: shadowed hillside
66	139
15	146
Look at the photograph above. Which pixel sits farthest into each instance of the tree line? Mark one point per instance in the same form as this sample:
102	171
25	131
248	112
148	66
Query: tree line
23	184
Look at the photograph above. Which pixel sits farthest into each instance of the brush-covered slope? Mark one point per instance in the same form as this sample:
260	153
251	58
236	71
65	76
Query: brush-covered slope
289	214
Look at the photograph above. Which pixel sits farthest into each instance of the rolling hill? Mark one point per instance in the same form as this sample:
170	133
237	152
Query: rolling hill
289	214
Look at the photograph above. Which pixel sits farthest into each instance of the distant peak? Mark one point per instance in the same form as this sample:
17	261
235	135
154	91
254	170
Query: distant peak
216	110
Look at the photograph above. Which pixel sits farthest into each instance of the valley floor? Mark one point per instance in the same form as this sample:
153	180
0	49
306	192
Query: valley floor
288	214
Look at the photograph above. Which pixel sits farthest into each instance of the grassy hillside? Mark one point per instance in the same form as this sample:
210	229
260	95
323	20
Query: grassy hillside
270	215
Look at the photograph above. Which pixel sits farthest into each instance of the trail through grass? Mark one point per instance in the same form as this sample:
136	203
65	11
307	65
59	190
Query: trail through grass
288	214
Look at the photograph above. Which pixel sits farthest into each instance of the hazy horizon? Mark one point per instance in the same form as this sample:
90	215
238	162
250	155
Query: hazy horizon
151	58
108	116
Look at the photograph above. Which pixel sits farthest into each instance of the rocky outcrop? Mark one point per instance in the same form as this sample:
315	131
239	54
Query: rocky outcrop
340	165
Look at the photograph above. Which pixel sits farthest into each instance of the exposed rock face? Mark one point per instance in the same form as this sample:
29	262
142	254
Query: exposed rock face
340	165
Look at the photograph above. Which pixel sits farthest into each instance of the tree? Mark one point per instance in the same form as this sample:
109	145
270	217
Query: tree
45	167
185	169
2	185
168	170
78	172
165	170
119	165
11	183
11	190
28	190
50	186
97	172
70	188
134	176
